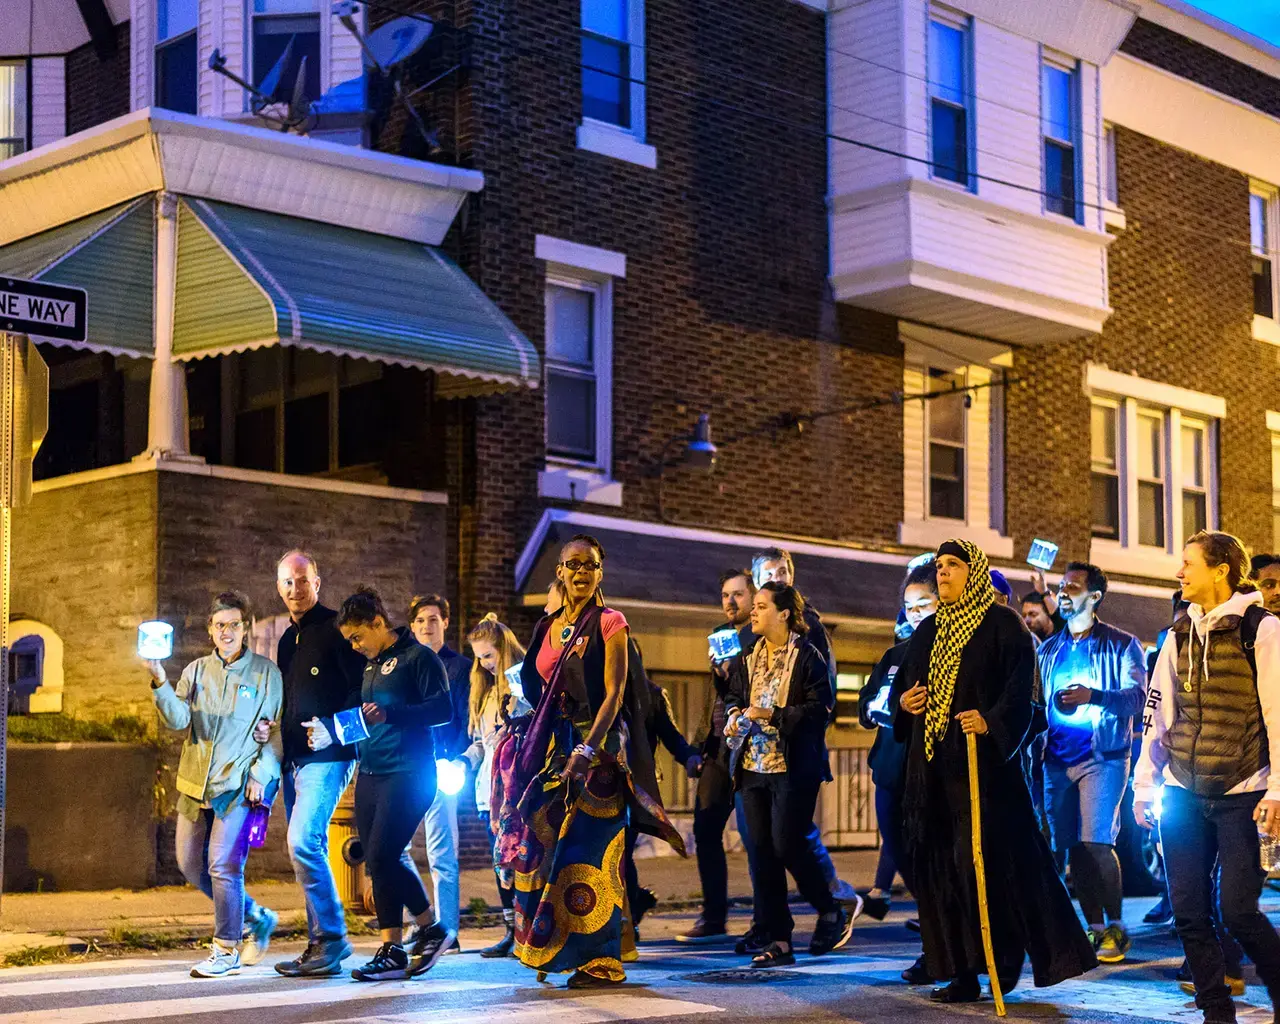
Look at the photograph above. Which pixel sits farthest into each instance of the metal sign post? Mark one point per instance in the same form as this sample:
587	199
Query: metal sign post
24	418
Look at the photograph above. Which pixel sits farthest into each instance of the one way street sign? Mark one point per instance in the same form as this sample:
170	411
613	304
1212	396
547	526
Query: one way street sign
45	310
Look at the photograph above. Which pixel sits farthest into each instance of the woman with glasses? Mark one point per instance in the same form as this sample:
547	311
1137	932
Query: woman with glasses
570	791
223	774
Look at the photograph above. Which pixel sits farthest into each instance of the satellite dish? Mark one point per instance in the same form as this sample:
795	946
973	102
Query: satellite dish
396	41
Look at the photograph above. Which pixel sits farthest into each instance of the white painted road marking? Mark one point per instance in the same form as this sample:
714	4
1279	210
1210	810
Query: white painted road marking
90	965
596	1009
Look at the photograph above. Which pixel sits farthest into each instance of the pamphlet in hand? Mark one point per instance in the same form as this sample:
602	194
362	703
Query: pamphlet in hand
350	726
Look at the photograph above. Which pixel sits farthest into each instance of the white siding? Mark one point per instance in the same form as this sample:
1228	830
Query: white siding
340	53
1007	80
233	46
913	482
1090	147
48	100
209	25
142	37
874	236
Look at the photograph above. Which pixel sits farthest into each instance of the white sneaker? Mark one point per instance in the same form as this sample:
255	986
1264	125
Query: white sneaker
258	936
221	963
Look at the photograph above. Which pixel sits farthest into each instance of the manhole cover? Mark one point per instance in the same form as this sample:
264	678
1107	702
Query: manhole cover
749	976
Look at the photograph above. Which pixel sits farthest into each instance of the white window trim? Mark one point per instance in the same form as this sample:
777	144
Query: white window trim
1112	214
613	140
573	265
1063	62
1267	328
962	22
917	528
1126	555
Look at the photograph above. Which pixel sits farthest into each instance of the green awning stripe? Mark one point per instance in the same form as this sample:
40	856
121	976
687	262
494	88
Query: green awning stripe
110	254
361	294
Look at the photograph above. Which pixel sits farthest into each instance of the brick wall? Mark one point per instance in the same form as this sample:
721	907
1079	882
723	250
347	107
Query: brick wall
1183	300
723	309
84	562
97	90
1195	62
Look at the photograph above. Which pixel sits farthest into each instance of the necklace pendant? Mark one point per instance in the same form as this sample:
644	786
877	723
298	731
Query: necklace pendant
565	633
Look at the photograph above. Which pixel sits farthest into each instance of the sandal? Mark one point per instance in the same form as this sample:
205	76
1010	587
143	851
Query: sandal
773	955
581	979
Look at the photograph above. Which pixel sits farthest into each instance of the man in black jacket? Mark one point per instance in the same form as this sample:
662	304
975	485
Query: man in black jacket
322	676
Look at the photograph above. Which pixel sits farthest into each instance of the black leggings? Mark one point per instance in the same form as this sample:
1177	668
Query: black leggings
389	809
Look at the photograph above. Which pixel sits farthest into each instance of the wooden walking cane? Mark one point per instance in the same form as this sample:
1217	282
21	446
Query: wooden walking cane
980	870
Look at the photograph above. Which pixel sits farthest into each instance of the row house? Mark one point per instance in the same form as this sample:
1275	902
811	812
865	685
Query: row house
485	299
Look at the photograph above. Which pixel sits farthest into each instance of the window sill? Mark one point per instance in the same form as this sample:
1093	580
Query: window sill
1266	329
929	533
610	140
1113	216
1155	563
567	483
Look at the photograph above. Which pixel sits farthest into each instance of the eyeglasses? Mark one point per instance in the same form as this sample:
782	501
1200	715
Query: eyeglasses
227	627
573	565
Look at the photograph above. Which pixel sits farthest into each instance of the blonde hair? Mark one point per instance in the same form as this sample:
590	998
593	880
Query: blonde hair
490	631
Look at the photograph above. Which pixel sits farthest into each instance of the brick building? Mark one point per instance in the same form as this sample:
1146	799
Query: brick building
786	217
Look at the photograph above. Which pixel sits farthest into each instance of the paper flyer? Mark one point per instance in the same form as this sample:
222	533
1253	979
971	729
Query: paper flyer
350	726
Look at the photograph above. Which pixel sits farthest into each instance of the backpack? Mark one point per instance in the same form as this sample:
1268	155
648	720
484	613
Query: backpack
1249	623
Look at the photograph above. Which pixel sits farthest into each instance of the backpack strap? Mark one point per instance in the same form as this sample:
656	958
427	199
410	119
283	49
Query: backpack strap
1250	621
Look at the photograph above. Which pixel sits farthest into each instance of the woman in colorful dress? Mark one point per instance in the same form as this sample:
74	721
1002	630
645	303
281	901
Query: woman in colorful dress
496	650
569	789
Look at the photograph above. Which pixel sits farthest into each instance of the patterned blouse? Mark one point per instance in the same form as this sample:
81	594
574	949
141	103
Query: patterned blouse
769	677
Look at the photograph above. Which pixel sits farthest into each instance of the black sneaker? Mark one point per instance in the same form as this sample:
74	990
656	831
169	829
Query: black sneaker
321	959
645	901
429	945
755	940
830	935
390	963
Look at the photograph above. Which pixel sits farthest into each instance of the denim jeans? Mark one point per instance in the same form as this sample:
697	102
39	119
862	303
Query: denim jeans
440	827
1194	831
211	853
311	794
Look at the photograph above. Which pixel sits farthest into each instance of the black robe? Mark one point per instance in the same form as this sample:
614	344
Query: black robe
1030	910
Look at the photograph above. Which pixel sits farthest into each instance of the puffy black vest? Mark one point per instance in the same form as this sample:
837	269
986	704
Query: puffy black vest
1218	737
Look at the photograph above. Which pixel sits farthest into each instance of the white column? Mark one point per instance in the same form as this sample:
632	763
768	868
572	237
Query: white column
167	429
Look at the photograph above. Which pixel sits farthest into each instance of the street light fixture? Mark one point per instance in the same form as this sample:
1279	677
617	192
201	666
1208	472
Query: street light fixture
699	452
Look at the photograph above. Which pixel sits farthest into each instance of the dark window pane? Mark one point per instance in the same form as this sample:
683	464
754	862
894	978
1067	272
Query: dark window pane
1150	514
606	93
950	142
571	415
256	439
306	435
1264	303
270	37
70	446
1195	516
204	406
176	75
1060	178
1106	506
946	482
361	424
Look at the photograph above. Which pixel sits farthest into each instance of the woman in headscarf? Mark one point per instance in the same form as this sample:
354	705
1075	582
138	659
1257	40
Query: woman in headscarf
568	783
970	669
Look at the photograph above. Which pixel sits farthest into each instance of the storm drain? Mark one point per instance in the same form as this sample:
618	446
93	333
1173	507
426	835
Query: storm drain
749	976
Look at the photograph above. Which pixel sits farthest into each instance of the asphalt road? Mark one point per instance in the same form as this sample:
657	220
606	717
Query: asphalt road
671	983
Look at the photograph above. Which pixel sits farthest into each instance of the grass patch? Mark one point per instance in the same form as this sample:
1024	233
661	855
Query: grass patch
64	728
136	938
37	956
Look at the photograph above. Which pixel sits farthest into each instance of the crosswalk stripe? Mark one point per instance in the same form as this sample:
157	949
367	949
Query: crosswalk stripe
174	976
8	973
596	1009
227	1003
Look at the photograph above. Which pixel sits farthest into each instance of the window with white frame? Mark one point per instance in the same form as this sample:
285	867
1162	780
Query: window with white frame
613	65
950	114
578	332
1152	463
14	108
176	57
1275	491
1262	235
292	25
1112	190
1060	127
945	429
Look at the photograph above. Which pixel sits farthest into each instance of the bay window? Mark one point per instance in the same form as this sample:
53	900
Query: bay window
950	117
176	55
14	107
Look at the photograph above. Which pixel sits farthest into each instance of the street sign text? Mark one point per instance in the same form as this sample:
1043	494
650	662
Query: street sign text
45	310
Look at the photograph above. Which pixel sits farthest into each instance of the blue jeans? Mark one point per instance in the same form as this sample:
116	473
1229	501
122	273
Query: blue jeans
211	853
441	832
311	794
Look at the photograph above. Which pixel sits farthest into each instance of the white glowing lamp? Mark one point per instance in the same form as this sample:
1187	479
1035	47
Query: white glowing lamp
451	776
155	640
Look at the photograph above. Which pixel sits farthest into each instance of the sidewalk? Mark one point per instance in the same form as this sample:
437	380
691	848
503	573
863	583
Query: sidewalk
60	918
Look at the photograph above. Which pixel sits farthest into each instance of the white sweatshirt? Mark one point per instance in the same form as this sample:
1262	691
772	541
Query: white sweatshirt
1160	709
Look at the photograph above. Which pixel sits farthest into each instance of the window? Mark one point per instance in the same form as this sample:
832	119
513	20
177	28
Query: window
1112	191
949	96
176	59
287	24
613	97
13	108
1195	477
1262	204
574	317
1105	469
1275	491
1059	124
945	417
1150	474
